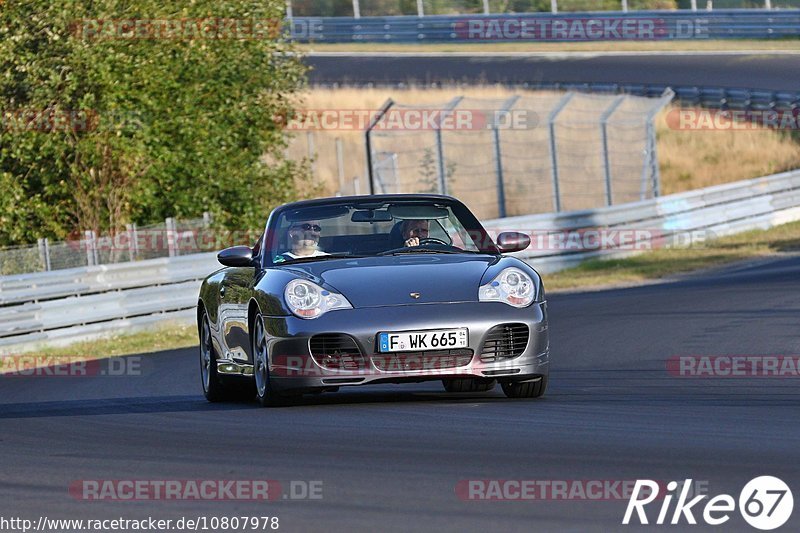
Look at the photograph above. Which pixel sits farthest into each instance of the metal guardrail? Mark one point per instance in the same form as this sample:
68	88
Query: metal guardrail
57	307
667	25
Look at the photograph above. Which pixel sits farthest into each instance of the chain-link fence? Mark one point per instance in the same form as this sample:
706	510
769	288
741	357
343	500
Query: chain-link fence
534	153
170	238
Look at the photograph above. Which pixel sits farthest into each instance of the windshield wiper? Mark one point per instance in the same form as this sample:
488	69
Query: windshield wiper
311	258
414	250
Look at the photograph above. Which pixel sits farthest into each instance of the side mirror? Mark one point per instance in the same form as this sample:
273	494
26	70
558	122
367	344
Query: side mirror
512	241
236	256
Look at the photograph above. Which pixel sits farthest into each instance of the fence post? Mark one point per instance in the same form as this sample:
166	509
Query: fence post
554	149
625	6
694	5
420	9
604	131
498	157
768	4
486	9
91	252
131	243
440	145
340	163
356	10
289	9
171	231
368	141
44	254
312	153
710	5
554	6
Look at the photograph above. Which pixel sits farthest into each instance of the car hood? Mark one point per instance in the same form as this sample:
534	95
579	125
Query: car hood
385	281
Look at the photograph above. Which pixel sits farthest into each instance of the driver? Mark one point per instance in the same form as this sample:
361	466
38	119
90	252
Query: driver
303	240
414	230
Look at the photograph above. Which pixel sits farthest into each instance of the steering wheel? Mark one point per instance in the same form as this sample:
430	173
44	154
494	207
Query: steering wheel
432	240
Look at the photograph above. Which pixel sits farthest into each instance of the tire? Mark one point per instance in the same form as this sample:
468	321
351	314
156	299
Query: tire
468	385
527	389
213	388
265	394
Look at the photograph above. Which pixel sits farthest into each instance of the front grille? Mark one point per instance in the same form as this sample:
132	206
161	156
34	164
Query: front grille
425	360
337	351
504	342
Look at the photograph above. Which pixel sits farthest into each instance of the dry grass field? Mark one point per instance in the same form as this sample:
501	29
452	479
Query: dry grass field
688	159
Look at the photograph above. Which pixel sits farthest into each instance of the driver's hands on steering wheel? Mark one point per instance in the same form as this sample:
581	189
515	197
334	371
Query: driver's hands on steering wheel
413	241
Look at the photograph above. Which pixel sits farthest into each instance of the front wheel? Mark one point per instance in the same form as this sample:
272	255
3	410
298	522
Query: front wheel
526	389
265	394
213	388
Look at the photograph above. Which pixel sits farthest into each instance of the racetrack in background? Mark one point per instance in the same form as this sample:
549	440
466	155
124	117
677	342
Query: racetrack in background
764	70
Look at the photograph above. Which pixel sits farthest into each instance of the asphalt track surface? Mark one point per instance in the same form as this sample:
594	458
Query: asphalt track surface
775	72
390	456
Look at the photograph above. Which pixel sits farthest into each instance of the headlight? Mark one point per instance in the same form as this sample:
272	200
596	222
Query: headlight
308	300
512	286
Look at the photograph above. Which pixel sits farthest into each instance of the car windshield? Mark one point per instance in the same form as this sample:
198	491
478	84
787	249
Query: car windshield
373	228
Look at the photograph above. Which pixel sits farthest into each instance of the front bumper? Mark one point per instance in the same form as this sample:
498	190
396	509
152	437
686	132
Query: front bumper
293	367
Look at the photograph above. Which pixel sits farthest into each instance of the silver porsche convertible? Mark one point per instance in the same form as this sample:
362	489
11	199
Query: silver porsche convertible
352	291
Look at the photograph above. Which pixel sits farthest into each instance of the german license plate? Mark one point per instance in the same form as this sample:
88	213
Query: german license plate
434	339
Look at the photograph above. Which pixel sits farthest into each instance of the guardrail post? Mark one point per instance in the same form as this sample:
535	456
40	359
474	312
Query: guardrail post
44	254
710	5
420	9
554	6
289	9
340	163
606	157
356	10
694	5
554	149
625	6
486	9
767	4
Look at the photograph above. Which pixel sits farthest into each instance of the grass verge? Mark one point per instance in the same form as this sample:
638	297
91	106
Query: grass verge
533	47
665	262
169	336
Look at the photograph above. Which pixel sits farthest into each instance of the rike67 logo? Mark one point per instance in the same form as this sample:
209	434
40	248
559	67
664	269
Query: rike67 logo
765	503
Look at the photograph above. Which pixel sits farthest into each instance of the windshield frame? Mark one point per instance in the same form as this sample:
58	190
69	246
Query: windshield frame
471	224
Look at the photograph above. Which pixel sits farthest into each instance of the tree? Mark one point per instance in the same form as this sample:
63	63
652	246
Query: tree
120	111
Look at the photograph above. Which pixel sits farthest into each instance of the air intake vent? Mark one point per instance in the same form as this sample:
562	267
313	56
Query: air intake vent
504	342
337	352
425	360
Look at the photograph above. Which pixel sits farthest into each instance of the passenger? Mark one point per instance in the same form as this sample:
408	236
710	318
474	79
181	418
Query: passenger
303	238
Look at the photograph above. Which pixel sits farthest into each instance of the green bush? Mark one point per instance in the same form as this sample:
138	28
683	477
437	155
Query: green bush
156	127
